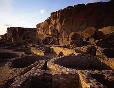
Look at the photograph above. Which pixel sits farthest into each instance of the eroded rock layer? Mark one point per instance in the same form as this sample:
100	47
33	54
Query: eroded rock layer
76	18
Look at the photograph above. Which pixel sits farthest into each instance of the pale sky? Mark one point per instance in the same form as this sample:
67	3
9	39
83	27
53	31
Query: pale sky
28	13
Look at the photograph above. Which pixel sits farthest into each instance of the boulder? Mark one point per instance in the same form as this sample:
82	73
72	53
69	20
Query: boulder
107	41
75	39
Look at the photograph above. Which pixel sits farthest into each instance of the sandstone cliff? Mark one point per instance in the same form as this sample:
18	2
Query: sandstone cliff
76	18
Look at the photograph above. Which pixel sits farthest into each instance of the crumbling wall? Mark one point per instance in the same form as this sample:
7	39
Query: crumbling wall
37	51
65	51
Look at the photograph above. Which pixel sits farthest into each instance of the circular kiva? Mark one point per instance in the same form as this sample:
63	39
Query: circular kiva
25	61
4	56
77	62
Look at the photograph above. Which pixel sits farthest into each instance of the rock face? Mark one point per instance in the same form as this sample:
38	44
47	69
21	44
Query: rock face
76	19
21	35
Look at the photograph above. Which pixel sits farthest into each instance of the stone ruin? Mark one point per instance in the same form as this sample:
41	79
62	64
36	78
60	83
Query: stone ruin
82	70
92	72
